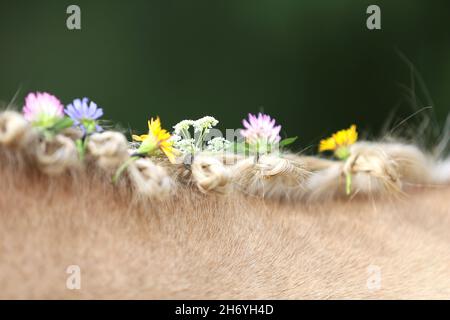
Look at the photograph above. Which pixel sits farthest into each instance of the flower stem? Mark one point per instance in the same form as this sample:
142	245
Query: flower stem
257	153
123	167
81	147
348	183
185	133
199	142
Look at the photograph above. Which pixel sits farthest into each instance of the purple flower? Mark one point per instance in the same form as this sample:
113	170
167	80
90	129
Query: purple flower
261	128
84	114
42	108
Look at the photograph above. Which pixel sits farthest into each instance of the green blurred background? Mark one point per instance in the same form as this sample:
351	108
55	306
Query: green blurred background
312	64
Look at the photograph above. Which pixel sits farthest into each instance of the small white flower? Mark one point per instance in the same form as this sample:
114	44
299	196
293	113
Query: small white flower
183	140
217	144
183	126
186	146
205	123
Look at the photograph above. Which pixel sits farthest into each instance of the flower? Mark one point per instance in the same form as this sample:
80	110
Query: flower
186	146
182	127
84	114
191	144
157	138
339	142
218	144
42	109
204	124
261	128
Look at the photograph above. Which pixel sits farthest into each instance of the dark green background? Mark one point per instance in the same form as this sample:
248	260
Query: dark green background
312	64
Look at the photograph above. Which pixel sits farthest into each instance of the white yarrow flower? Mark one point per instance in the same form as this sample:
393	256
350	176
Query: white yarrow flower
217	144
183	140
183	126
205	123
186	146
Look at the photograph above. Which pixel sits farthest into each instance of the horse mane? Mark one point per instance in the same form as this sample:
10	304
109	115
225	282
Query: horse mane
222	227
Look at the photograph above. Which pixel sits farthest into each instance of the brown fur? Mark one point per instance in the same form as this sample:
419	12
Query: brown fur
214	246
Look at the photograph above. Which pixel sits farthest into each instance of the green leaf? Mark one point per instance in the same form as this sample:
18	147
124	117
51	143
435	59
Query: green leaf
287	141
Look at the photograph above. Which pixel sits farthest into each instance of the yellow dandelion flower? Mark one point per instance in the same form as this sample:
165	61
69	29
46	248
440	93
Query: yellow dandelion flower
327	144
156	139
340	139
339	142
